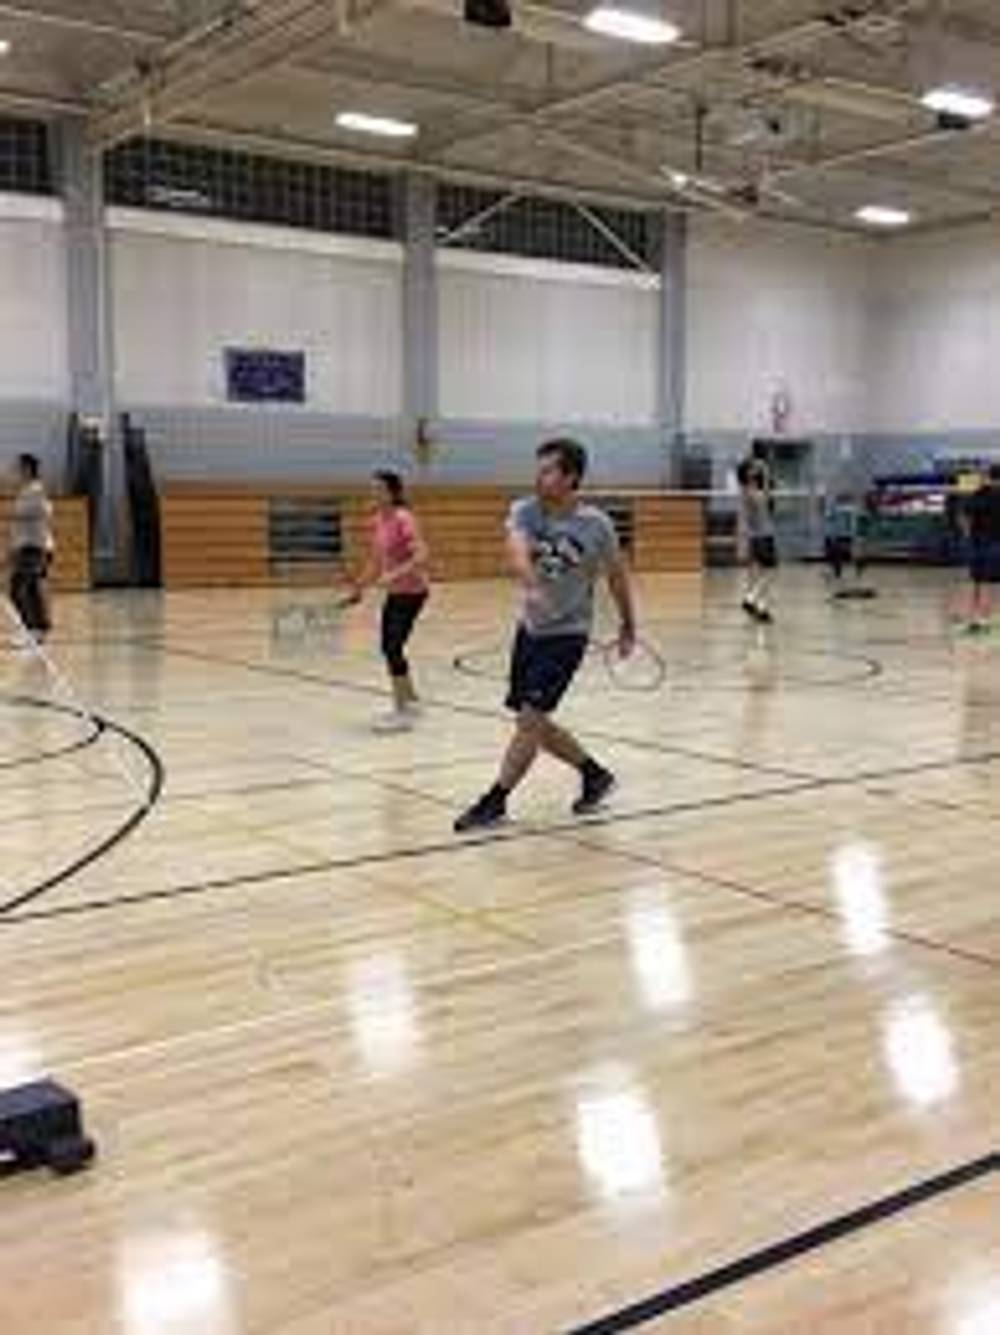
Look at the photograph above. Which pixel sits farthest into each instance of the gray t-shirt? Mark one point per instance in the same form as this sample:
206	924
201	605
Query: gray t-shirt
569	552
755	513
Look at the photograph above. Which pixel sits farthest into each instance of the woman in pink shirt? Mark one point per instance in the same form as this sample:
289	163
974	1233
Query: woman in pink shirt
398	564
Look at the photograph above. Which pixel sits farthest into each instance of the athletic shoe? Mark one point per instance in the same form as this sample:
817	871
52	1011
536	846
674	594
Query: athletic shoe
749	608
764	616
598	784
489	811
397	720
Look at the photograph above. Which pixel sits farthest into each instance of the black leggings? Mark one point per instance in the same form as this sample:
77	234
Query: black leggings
29	566
399	616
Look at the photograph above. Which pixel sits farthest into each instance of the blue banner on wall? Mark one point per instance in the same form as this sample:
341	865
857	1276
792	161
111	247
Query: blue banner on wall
262	375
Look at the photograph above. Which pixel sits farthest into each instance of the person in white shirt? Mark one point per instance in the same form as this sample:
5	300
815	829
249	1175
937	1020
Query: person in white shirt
31	548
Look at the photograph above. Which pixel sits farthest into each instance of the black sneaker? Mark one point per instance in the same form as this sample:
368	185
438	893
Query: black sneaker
749	608
764	617
490	810
598	783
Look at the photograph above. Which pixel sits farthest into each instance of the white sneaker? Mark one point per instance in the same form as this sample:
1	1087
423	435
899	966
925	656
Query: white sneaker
397	720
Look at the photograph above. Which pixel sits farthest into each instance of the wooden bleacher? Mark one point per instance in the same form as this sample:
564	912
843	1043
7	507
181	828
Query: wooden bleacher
219	534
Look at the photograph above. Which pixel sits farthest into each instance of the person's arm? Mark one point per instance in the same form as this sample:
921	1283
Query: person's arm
620	585
964	517
368	575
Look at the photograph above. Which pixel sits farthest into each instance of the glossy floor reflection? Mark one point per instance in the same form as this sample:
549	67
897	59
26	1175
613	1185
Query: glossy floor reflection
351	1075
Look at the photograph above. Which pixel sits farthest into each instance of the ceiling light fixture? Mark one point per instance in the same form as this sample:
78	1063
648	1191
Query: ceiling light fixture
961	102
630	25
4	47
878	215
387	126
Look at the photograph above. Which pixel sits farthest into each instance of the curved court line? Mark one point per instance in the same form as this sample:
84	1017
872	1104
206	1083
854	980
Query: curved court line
868	668
94	733
461	708
753	1264
157	777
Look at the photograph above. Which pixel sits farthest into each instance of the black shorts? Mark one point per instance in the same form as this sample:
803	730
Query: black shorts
764	553
984	562
541	669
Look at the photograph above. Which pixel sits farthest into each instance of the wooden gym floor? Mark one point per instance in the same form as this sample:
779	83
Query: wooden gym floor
352	1075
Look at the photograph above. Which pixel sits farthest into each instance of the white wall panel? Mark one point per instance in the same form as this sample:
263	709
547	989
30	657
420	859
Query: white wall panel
545	342
181	300
33	363
937	333
776	307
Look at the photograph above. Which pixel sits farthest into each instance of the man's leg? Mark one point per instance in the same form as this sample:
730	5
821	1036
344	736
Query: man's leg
522	749
561	744
596	782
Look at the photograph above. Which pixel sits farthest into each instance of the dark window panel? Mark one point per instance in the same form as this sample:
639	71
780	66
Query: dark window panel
25	156
222	183
545	228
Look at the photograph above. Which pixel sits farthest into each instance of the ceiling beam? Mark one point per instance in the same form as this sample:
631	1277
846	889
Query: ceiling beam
633	196
230	51
380	71
123	32
41	104
661	73
870	153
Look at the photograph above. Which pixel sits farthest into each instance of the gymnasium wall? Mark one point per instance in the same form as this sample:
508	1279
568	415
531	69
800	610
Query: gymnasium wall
936	334
186	289
886	349
537	340
33	369
526	347
776	307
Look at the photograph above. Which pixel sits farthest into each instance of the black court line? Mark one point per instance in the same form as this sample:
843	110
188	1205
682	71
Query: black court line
804	777
780	902
803	783
457	844
117	836
633	743
471	664
754	1264
95	729
176	798
454	845
467	710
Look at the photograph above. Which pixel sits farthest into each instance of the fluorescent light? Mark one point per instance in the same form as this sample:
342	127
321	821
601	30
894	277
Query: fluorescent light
386	126
951	101
4	47
631	26
877	215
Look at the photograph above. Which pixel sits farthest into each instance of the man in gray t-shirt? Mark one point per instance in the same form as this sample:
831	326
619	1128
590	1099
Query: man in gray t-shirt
558	548
569	552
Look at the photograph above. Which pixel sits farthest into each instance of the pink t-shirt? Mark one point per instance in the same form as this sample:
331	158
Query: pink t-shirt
395	536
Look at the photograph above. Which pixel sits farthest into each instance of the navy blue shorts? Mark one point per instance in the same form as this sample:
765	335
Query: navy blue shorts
984	562
764	553
541	669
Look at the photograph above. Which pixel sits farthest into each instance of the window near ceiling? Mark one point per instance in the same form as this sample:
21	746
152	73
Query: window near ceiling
223	183
25	158
546	228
